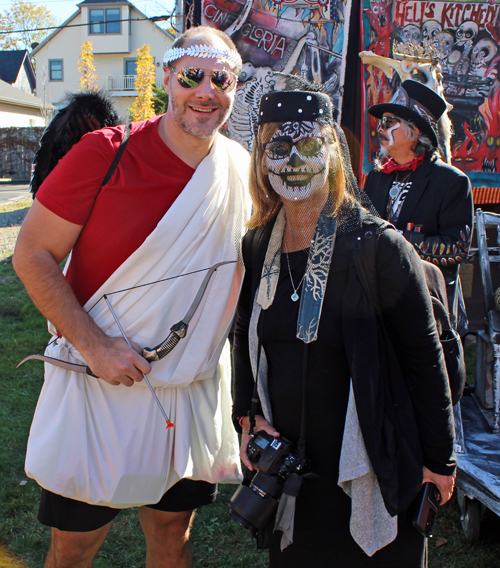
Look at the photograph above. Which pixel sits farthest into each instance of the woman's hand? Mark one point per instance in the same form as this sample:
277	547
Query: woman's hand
260	424
445	483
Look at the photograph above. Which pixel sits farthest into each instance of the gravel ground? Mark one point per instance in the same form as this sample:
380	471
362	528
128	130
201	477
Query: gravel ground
11	217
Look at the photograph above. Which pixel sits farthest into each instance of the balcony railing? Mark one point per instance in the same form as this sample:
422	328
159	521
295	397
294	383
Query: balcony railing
124	82
121	82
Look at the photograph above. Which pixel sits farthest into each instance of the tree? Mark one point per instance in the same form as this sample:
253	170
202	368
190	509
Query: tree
142	109
160	100
89	79
154	9
24	16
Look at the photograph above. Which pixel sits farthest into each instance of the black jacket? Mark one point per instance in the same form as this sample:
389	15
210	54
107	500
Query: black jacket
397	367
440	203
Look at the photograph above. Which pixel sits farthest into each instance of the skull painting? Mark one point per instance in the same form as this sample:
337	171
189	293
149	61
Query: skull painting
482	54
430	29
410	34
466	33
444	41
296	160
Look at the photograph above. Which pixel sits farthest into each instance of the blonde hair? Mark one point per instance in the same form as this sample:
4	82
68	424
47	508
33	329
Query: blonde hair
266	202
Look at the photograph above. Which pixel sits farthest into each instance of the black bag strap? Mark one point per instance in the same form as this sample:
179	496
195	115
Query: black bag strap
118	155
367	272
116	159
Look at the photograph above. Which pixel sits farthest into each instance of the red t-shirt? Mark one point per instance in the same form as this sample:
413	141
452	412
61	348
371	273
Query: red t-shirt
147	181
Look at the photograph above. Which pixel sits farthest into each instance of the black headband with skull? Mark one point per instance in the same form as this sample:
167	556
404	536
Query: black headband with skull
291	106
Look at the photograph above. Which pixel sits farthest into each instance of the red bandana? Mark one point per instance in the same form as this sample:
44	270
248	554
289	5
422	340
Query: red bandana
392	166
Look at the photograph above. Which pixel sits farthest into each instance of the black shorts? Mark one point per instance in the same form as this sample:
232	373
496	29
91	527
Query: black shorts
67	514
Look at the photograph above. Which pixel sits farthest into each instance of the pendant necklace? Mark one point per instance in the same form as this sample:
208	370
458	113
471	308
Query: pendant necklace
399	185
295	295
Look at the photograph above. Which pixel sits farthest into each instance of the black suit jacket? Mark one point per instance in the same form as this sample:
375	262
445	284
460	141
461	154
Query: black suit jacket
440	203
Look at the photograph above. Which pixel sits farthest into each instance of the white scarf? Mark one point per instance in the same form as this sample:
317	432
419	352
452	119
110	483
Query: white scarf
106	444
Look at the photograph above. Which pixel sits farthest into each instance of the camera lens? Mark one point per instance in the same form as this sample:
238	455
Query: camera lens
254	505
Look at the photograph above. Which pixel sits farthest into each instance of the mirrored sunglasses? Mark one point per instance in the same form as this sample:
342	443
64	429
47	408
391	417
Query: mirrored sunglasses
279	149
387	121
190	77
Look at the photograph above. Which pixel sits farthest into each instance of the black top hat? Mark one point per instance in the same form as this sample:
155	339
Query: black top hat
285	106
416	102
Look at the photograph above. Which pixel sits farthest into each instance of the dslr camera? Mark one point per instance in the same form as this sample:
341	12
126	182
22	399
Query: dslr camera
255	501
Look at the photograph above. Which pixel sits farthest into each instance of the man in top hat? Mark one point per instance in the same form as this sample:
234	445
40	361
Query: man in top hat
427	200
173	208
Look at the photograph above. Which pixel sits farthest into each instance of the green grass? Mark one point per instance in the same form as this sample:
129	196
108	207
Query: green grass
456	552
470	362
217	541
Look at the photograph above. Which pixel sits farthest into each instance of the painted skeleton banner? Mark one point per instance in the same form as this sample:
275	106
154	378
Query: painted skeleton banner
301	37
465	37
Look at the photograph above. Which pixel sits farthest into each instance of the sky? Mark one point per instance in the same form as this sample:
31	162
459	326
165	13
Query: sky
63	9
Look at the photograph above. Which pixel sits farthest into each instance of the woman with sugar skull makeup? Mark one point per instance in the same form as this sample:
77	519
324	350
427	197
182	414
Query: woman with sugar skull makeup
366	402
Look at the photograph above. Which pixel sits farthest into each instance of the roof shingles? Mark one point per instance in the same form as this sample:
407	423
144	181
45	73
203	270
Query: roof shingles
10	64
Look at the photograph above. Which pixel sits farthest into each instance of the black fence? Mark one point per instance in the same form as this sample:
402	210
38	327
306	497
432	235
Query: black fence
17	150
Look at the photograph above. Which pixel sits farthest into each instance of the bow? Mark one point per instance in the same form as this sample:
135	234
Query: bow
179	329
177	332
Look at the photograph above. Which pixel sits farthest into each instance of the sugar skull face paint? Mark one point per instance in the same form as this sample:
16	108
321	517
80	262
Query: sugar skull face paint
296	160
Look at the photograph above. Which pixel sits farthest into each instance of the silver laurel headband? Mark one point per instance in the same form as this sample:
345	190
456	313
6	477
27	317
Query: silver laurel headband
204	51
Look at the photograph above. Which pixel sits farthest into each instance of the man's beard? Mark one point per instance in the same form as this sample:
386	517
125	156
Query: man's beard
383	152
199	128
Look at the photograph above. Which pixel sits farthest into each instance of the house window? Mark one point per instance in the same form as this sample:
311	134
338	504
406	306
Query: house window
130	67
105	21
55	69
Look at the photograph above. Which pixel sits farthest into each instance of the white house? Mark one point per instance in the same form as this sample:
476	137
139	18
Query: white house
116	29
18	108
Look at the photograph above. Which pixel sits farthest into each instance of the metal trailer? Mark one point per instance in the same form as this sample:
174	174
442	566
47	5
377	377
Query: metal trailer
477	416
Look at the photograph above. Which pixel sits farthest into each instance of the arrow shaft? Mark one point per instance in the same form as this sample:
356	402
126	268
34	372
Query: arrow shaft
130	345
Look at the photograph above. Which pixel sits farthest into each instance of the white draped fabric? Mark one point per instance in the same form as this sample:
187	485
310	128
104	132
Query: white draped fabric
108	445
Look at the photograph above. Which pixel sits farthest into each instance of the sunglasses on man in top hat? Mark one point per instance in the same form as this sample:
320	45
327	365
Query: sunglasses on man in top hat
387	121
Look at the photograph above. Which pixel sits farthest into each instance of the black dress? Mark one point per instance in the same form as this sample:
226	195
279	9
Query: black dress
321	533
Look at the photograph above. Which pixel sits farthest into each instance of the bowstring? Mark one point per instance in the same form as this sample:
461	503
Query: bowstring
42	349
151	283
